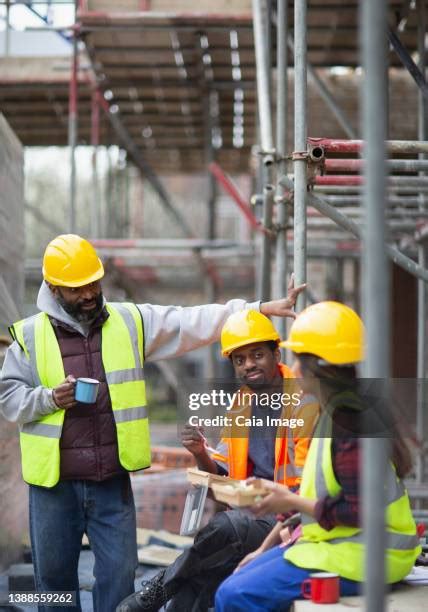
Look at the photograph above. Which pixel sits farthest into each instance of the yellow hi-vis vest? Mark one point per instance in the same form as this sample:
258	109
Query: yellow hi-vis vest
341	550
122	358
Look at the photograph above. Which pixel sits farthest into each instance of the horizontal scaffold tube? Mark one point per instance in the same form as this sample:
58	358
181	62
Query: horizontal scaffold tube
329	211
333	145
357	180
357	165
338	179
356	200
317	222
393	213
393	190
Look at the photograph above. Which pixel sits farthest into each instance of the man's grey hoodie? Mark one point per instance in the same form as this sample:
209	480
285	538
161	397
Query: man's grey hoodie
169	331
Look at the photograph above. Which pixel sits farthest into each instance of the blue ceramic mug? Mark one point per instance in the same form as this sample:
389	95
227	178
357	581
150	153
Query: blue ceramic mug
86	390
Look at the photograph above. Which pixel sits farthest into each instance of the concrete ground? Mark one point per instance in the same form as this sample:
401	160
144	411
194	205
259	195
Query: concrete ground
86	581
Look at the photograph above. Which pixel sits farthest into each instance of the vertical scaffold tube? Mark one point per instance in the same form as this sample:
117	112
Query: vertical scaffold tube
422	296
72	129
95	141
281	150
300	144
376	288
260	16
261	21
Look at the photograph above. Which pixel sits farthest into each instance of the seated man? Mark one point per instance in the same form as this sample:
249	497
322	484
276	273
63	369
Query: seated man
251	342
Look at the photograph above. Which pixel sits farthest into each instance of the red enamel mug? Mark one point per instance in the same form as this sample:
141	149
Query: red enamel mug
322	588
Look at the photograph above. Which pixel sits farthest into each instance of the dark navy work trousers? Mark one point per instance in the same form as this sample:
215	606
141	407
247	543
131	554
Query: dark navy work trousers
60	516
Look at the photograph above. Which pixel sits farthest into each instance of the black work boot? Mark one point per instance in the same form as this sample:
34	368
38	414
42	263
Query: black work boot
151	597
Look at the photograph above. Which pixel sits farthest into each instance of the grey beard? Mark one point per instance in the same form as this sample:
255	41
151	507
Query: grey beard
82	316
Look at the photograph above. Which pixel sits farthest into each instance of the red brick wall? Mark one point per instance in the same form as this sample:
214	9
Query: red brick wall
13	496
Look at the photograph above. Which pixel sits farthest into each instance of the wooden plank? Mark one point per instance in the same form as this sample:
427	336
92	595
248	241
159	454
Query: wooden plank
111	5
130	38
171	6
188	6
155	554
143	536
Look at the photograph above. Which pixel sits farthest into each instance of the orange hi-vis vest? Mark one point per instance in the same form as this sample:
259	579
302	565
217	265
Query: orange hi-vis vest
291	444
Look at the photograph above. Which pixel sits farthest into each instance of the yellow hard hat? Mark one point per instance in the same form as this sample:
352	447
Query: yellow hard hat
245	327
71	261
329	330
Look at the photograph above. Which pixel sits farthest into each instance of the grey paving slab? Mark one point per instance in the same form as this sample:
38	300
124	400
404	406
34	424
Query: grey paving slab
86	581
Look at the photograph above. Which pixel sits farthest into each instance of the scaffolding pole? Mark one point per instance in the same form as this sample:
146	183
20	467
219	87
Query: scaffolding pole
281	150
412	202
72	129
239	200
7	30
95	141
260	15
408	62
300	145
266	259
330	180
210	287
261	20
337	145
422	297
358	165
408	216
393	190
376	288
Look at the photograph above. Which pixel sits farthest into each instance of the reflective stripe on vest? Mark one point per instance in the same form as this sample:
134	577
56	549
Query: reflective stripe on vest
288	471
341	550
221	455
122	358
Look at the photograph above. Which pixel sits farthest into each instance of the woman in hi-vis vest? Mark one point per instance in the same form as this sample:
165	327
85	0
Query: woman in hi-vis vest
327	339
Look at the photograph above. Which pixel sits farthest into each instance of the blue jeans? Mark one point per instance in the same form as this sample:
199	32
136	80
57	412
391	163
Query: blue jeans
60	516
268	583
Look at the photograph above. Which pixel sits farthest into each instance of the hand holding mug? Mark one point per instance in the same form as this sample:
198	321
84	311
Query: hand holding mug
63	394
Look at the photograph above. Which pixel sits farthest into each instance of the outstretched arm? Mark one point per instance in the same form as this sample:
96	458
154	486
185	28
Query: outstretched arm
170	331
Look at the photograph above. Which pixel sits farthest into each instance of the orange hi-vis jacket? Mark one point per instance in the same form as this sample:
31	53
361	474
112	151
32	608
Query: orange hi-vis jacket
291	444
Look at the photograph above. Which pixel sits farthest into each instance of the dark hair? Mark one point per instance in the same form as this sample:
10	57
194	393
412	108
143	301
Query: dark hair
344	378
